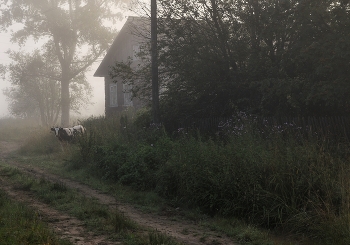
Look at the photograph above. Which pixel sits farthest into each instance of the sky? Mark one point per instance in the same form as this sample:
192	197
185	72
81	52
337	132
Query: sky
97	83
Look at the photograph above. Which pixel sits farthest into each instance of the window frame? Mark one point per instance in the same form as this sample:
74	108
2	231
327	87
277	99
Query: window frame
127	95
113	95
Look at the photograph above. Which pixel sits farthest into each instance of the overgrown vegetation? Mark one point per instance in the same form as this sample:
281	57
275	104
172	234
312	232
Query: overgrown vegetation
277	179
272	58
273	180
14	129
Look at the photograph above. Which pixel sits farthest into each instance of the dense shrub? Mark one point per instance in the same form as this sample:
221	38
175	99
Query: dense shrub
275	180
131	156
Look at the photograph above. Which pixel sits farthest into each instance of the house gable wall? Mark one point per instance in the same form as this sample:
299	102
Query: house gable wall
121	50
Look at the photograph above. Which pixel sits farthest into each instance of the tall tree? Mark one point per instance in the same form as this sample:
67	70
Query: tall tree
201	47
154	57
285	57
298	52
36	88
267	57
77	32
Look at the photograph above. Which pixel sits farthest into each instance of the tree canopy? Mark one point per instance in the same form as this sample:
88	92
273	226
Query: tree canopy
36	90
75	32
274	57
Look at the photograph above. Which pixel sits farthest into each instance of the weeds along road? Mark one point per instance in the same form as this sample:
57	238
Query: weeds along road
183	231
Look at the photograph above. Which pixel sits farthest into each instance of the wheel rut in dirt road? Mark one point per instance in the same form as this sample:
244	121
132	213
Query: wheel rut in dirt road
184	231
159	223
65	226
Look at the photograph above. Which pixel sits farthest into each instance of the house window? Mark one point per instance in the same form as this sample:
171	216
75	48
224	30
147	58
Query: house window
113	96
127	95
136	52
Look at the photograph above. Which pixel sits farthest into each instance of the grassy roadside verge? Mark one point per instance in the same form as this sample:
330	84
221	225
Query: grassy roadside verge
43	150
278	177
96	217
150	202
22	225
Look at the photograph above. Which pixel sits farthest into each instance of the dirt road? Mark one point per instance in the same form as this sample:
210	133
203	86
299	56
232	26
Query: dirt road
72	229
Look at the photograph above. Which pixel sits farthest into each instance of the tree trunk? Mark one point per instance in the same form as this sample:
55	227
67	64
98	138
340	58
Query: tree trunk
65	102
43	118
154	58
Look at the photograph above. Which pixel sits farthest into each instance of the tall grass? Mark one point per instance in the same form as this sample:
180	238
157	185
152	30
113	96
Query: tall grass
271	179
32	138
14	129
39	141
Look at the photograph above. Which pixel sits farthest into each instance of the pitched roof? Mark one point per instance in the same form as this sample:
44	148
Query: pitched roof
132	25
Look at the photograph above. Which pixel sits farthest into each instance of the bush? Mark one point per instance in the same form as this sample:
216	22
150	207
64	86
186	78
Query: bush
268	182
131	155
274	180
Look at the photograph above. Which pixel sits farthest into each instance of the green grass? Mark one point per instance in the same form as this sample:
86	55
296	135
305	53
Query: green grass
21	225
274	180
279	182
96	217
151	202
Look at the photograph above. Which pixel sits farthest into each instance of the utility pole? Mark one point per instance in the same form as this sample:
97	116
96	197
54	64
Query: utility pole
154	60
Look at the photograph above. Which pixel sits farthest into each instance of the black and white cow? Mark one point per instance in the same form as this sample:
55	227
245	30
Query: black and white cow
68	134
78	129
63	134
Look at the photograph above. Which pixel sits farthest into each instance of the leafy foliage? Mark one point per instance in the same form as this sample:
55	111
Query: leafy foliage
35	91
283	58
268	178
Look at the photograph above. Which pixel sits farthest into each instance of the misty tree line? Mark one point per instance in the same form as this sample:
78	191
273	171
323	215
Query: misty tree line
50	81
271	58
216	57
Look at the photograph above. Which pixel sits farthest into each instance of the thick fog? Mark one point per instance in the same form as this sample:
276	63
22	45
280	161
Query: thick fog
3	104
97	83
5	44
97	107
